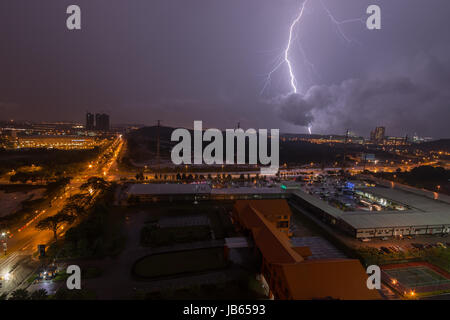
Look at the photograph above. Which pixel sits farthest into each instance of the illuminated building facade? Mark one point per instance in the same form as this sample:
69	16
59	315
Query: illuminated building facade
378	135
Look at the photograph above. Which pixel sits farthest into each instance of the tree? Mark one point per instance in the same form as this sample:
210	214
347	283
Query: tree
100	183
19	294
74	209
54	222
40	294
66	294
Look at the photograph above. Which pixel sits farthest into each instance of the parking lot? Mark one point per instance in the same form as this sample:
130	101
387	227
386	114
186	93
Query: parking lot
347	195
393	245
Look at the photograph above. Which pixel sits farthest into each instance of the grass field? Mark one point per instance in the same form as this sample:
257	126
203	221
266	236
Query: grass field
243	287
180	262
155	237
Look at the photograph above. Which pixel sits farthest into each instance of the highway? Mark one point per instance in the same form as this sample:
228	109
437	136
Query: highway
23	240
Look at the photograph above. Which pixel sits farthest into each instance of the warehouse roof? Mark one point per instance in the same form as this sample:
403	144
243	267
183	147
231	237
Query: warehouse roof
155	189
247	190
403	219
324	206
423	210
412	200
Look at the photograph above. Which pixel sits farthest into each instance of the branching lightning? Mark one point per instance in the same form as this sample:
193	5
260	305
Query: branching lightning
288	48
338	23
285	57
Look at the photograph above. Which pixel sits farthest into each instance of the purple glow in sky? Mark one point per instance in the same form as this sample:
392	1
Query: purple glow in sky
185	60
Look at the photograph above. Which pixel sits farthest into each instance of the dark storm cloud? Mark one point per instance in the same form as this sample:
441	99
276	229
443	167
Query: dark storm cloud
296	109
185	60
411	98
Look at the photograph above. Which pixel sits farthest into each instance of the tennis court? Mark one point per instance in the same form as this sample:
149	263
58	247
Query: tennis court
414	277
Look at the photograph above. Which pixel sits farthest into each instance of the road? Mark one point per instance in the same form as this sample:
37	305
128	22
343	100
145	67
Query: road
23	240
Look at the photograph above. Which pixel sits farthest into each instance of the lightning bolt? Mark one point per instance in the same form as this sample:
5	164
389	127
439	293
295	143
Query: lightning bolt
288	48
285	57
338	23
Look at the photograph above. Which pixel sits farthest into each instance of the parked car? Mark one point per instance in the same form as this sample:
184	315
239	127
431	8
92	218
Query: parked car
440	244
385	250
48	272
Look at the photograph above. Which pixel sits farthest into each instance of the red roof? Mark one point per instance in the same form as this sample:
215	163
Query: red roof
315	279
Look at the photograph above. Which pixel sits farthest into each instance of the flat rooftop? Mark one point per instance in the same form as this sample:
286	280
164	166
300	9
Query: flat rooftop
248	190
423	210
412	200
389	220
166	189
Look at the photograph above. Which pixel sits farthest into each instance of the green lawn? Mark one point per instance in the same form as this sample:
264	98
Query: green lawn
86	273
155	237
180	262
243	288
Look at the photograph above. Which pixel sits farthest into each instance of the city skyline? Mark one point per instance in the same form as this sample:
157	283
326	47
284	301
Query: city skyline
223	154
201	66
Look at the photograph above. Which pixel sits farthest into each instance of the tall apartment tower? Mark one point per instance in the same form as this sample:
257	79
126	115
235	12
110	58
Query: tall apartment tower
102	122
90	121
378	135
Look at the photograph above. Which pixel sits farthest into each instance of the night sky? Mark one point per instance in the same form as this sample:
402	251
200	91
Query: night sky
186	60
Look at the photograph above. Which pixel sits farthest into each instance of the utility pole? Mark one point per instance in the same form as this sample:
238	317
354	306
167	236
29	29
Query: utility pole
364	161
157	147
345	150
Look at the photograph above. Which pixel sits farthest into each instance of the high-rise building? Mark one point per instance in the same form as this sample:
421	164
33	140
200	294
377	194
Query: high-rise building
378	135
102	122
89	121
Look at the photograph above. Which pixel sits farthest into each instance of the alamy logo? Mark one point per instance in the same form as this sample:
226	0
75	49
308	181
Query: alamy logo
374	279
74	280
213	152
73	22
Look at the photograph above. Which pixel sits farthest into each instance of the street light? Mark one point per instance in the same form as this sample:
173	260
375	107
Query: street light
4	240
